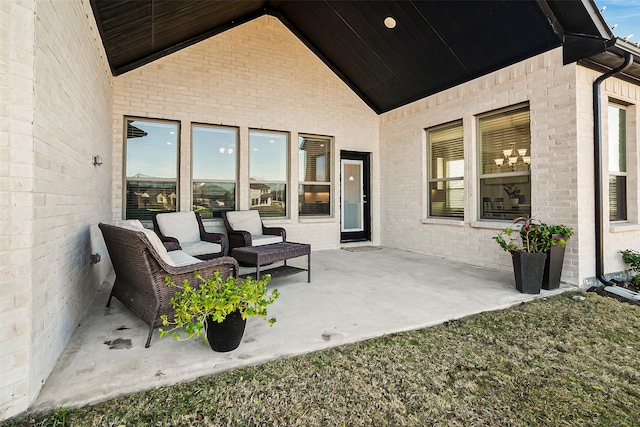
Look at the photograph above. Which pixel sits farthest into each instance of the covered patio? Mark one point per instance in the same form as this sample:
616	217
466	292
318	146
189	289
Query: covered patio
367	82
354	295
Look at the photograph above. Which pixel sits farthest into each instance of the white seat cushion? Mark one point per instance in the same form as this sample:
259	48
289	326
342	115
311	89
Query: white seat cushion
265	239
180	225
245	221
200	248
180	258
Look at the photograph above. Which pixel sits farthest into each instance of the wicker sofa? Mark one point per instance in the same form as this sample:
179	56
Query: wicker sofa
141	263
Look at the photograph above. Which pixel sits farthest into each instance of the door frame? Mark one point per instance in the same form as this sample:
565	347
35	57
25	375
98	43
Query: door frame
365	234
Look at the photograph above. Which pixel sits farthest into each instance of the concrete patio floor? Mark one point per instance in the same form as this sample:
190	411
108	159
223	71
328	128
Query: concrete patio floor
353	296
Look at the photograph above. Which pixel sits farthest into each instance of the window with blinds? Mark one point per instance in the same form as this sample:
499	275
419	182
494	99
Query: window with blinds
314	176
213	169
446	171
617	163
504	162
268	172
151	167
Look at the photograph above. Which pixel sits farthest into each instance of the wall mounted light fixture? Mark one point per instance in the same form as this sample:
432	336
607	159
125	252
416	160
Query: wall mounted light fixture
97	160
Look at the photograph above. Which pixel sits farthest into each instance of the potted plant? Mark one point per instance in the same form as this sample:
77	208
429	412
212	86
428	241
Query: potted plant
513	193
555	257
528	247
632	257
219	308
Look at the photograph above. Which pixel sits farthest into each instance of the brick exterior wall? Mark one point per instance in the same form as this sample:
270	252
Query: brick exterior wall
561	113
52	197
16	205
617	236
255	76
549	88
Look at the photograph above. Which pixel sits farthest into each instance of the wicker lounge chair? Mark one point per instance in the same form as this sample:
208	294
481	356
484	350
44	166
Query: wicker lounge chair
141	264
185	231
245	228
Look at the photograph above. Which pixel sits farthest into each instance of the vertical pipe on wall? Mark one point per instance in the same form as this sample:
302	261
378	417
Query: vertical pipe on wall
597	156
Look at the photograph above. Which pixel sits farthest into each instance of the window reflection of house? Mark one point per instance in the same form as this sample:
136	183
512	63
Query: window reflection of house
145	198
260	195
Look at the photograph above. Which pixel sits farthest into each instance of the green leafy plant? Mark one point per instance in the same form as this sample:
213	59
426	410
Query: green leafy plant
632	257
216	298
565	232
532	236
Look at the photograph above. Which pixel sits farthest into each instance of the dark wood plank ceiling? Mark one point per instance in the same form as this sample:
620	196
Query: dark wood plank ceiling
435	45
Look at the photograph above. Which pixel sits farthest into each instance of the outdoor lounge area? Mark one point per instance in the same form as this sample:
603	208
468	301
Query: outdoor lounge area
344	303
419	127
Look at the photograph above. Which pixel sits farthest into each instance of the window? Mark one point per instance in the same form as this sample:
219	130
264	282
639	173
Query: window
268	166
151	165
446	171
214	152
314	189
617	163
505	159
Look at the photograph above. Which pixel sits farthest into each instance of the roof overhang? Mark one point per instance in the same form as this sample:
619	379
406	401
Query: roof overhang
613	57
434	46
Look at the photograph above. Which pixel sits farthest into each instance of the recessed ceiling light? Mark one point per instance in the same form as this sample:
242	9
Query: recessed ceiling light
389	22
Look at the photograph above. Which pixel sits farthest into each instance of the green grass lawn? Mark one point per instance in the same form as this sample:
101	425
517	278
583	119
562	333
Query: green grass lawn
551	362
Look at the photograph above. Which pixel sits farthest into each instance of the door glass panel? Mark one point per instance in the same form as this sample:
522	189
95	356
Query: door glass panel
352	209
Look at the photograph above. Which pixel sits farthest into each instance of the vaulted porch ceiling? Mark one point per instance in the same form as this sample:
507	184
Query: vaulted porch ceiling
434	45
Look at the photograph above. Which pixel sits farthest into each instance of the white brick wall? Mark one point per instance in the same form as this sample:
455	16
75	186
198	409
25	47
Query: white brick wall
616	237
561	163
51	196
16	211
549	88
257	75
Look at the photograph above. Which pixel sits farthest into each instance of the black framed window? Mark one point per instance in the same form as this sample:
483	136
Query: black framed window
151	167
314	176
446	171
214	169
617	163
268	166
504	164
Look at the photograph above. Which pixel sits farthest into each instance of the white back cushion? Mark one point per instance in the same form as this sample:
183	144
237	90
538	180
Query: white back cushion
245	221
181	225
155	242
135	223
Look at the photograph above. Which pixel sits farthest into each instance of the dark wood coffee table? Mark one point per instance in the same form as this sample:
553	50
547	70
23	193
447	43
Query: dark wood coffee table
268	254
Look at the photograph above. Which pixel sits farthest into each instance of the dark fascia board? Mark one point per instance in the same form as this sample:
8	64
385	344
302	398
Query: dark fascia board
584	31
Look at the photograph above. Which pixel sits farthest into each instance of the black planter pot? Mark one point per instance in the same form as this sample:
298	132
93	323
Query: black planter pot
528	268
226	335
553	265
